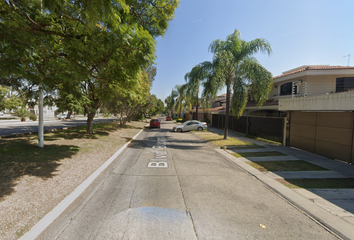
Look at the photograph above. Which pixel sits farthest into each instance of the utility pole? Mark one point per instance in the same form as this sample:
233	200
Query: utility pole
40	120
40	123
348	58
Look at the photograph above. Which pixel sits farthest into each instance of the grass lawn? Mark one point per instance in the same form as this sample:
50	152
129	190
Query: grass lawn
299	165
258	154
10	118
318	183
263	139
245	146
218	140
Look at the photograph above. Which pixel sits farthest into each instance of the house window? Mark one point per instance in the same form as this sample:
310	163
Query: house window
286	88
344	84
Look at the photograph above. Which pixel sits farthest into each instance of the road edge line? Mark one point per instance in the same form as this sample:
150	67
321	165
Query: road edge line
49	218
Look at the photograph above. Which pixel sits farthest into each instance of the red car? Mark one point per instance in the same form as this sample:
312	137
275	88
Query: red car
168	118
155	123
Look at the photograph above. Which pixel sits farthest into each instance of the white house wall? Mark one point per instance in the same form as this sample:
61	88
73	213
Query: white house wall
326	102
274	93
318	85
318	81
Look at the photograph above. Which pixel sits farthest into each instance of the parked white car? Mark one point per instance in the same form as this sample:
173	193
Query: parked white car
61	116
192	125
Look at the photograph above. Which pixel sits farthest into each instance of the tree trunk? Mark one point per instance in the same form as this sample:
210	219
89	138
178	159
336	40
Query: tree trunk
196	109
226	125
69	114
90	117
121	120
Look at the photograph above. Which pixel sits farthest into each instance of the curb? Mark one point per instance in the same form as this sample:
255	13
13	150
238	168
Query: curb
37	229
332	223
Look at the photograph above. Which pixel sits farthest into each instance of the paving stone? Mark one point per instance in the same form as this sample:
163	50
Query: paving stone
303	174
274	158
251	150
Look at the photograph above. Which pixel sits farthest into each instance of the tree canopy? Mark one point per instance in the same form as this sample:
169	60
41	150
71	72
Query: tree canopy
235	67
90	51
9	101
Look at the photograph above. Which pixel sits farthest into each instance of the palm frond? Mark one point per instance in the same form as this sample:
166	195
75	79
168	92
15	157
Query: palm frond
239	97
260	79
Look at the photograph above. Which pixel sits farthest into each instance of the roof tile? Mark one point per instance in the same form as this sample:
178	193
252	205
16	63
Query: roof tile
314	67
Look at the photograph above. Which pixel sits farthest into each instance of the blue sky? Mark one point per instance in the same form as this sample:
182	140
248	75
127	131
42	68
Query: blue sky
301	32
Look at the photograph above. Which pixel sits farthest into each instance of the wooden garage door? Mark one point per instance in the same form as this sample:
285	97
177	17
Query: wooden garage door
303	130
328	134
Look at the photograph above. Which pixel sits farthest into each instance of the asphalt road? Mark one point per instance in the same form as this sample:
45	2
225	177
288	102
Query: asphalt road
18	127
169	185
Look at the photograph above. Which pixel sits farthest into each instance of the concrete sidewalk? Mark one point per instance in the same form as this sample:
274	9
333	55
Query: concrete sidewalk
332	207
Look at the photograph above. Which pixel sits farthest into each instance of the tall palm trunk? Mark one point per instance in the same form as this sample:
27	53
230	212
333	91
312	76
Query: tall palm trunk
196	109
226	126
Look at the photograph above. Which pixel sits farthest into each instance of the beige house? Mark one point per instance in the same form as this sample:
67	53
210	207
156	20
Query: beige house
309	88
311	106
318	102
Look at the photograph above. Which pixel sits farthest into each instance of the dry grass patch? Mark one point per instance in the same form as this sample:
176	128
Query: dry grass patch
264	139
34	180
330	183
218	140
298	165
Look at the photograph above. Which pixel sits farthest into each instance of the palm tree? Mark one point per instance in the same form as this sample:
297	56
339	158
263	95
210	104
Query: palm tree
194	79
211	85
233	65
170	101
181	98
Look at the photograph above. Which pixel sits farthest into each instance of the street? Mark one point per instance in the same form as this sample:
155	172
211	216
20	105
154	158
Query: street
18	127
168	185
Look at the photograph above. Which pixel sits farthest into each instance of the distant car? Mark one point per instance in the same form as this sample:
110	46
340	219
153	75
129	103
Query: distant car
192	125
168	118
61	116
1	114
155	123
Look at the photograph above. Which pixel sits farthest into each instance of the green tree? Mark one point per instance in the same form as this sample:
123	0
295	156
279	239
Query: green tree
154	106
181	98
160	107
90	50
170	101
210	86
132	103
22	113
9	101
234	66
194	79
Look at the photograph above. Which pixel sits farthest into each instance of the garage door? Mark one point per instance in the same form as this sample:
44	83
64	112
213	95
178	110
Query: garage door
328	134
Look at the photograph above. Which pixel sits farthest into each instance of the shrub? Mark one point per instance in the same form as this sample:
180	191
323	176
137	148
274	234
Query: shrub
106	115
33	116
22	113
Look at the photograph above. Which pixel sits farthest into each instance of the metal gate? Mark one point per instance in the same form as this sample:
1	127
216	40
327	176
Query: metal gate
328	134
265	127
